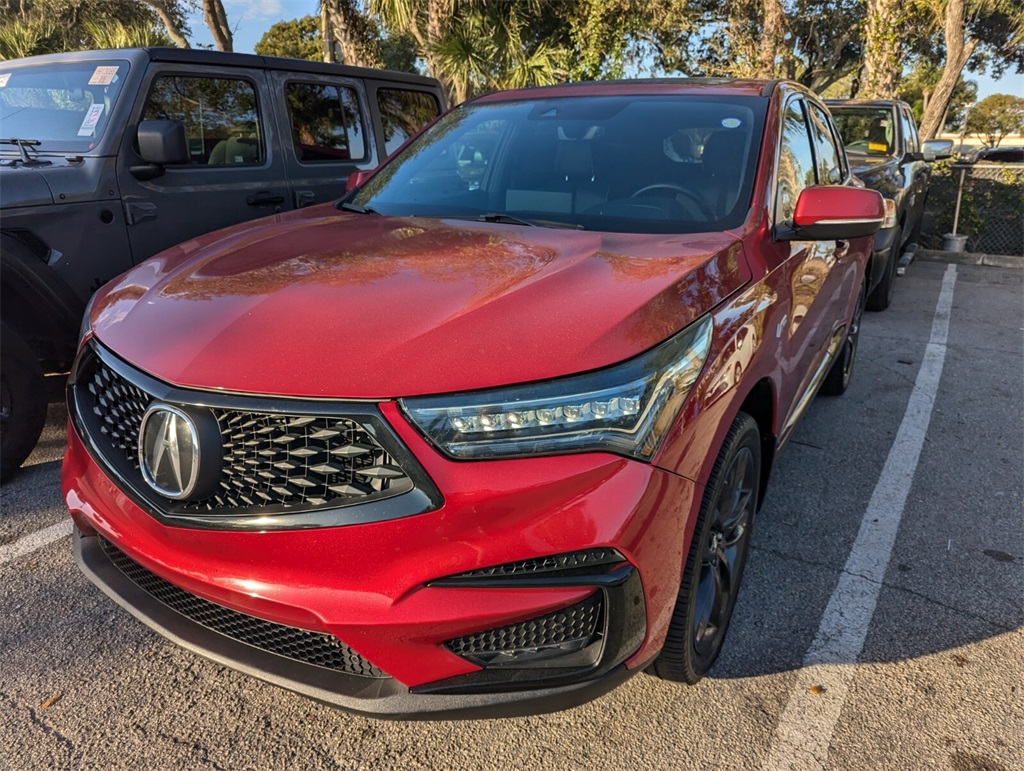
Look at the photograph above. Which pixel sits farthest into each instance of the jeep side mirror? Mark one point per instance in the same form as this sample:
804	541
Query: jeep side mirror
834	212
161	143
937	149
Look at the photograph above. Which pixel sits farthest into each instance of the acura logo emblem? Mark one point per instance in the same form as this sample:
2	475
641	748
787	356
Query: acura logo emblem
169	451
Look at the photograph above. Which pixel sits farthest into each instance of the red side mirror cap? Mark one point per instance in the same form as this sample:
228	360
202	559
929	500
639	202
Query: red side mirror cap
833	212
357	179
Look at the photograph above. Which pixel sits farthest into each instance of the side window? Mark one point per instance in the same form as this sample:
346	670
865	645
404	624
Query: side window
403	113
221	117
830	170
910	131
326	122
796	162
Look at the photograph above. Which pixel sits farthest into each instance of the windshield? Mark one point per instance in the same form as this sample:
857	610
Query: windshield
634	164
65	107
866	130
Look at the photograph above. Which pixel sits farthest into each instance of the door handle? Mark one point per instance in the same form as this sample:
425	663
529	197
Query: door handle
263	198
304	198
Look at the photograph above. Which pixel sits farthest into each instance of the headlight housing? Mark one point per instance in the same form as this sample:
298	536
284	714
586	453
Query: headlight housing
626	408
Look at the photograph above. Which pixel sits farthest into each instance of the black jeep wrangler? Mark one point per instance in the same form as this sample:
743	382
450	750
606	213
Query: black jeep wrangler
108	157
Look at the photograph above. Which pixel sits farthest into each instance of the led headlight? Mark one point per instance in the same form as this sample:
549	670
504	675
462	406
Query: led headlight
626	408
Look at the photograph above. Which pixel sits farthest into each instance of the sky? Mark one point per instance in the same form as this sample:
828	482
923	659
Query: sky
249	19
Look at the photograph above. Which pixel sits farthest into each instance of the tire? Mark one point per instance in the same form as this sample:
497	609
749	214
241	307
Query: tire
22	401
881	296
718	552
838	378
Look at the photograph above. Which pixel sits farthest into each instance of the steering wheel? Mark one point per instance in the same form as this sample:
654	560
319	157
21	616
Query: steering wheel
691	196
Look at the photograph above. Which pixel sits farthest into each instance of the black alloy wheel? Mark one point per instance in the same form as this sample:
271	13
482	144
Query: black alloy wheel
838	378
718	553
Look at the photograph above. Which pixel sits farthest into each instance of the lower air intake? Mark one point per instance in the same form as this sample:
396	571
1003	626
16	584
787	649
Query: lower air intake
322	650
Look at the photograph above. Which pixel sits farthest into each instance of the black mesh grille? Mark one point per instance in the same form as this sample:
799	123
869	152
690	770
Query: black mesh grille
270	461
322	650
557	563
577	622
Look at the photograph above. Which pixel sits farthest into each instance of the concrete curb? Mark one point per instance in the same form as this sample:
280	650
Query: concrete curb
971	258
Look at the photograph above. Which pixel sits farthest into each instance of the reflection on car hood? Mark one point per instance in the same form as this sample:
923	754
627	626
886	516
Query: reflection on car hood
320	303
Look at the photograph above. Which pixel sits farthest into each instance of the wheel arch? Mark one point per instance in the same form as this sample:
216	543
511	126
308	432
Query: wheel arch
759	403
34	300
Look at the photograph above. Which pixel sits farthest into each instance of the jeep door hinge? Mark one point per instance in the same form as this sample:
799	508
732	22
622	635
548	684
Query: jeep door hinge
139	211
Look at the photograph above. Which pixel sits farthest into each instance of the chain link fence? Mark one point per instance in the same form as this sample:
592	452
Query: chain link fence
991	210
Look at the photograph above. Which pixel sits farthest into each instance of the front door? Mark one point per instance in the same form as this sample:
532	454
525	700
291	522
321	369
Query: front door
234	172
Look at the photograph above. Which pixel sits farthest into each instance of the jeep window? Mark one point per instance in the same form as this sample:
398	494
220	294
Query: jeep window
65	107
796	163
829	168
866	130
220	115
403	113
634	164
909	131
326	122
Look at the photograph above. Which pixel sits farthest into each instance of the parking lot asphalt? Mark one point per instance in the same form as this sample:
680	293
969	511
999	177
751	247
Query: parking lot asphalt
880	624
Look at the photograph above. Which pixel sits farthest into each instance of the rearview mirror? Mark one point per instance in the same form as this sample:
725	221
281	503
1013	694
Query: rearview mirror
937	149
834	212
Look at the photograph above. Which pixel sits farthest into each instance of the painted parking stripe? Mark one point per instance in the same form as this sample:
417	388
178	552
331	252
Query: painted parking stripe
33	541
804	733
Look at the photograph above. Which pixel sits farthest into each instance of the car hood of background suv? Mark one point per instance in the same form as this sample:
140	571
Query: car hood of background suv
326	304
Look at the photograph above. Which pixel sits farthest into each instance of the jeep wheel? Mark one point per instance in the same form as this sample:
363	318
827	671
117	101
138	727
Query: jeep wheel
881	297
22	401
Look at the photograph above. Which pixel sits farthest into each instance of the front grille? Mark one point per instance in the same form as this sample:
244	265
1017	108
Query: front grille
322	650
578	622
270	462
557	564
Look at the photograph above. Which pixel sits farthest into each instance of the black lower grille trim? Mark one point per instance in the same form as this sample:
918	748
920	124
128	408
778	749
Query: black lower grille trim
316	648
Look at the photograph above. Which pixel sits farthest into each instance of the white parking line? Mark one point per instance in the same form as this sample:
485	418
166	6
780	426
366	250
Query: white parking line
804	733
33	541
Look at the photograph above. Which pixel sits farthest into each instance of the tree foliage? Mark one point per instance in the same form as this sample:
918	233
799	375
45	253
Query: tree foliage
996	116
293	39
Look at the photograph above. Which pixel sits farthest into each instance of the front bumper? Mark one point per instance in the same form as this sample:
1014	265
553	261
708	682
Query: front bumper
381	589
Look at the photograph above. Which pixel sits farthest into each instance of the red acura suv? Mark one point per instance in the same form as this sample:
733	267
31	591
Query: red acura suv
488	435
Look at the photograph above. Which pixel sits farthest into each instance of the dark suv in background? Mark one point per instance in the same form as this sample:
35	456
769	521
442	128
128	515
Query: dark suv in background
108	157
886	154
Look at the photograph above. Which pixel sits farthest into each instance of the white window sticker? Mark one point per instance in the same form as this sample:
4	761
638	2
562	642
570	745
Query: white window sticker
731	122
92	117
4	77
103	76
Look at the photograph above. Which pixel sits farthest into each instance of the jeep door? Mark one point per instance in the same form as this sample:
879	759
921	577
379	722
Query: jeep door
235	170
326	132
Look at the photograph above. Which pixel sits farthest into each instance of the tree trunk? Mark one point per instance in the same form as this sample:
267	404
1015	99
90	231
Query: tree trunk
170	23
327	33
958	51
352	32
217	20
883	49
773	40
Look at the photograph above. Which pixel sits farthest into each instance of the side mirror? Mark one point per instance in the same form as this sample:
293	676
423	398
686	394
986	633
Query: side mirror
161	143
937	149
358	179
834	212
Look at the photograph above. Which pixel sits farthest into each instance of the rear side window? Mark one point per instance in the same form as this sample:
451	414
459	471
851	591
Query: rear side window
796	162
327	125
910	132
830	170
221	117
403	113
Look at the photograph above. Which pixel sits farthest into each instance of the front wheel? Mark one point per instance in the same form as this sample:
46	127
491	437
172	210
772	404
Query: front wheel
718	552
22	401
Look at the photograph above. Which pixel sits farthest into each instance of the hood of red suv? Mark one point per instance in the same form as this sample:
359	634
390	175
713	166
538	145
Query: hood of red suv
327	304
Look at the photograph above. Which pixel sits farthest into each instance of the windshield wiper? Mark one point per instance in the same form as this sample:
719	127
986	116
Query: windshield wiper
21	144
357	209
510	219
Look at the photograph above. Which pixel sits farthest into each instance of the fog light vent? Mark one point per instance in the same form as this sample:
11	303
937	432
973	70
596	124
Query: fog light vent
562	639
557	564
